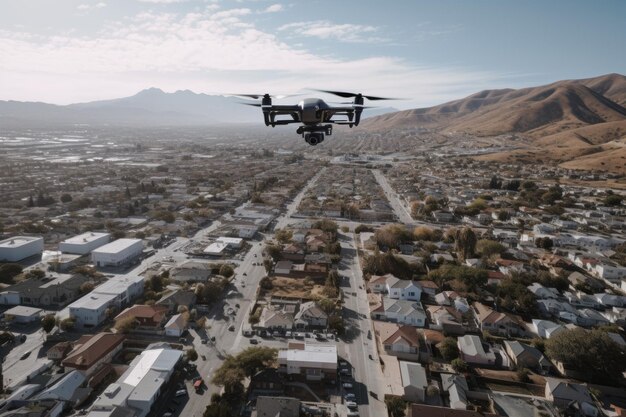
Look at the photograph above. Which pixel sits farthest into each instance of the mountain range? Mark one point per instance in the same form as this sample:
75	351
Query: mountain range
150	107
575	123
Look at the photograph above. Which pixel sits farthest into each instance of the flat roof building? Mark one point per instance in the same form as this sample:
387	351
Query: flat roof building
23	314
139	387
17	248
315	362
118	252
84	243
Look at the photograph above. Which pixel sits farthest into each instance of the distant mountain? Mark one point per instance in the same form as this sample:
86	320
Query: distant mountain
150	107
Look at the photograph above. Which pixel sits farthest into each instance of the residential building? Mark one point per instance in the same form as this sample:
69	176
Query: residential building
176	325
84	243
49	292
117	253
17	248
22	315
400	311
562	392
546	328
310	315
414	381
92	350
421	410
497	322
456	387
472	350
275	318
147	317
314	362
277	407
525	356
404	341
405	290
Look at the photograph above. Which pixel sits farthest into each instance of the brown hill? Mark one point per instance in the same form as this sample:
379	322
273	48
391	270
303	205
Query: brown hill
612	86
537	111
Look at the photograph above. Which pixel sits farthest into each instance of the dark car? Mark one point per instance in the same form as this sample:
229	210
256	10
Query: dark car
254	342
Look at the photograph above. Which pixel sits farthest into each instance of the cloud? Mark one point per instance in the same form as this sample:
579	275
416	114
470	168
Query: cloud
85	7
206	51
162	1
324	29
274	8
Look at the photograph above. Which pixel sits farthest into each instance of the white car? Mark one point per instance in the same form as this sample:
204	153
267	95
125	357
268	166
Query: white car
351	404
347	385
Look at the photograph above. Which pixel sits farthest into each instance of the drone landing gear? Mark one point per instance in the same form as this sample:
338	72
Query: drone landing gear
314	134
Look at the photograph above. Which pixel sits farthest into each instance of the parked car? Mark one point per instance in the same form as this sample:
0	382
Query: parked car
287	333
351	404
254	342
276	333
349	397
347	385
232	328
181	392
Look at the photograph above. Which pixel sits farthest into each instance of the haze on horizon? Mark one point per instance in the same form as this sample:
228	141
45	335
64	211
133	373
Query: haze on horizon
81	50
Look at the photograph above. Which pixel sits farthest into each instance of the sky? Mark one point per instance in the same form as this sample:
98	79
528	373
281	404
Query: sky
428	52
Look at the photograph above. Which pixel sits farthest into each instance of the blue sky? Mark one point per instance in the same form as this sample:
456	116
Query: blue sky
431	51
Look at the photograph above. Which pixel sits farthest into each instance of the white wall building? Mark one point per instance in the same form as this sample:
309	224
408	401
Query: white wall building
85	243
139	387
231	242
20	247
117	253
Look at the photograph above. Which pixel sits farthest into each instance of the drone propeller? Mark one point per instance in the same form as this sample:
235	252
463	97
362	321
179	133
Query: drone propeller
345	94
259	96
251	104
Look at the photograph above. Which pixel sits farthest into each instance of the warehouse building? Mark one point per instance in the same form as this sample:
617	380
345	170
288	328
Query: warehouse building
119	252
85	243
20	247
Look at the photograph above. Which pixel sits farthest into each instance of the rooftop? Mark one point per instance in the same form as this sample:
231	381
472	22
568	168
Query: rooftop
86	238
17	241
117	246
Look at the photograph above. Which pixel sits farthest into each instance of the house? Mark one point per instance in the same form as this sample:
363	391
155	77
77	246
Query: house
175	298
274	318
525	356
92	350
405	340
381	283
267	381
293	252
283	267
311	315
495	277
545	328
456	387
414	381
22	314
47	292
404	290
472	350
66	389
498	322
314	362
610	300
59	351
429	287
446	319
562	392
147	317
542	292
191	271
400	311
176	325
550	307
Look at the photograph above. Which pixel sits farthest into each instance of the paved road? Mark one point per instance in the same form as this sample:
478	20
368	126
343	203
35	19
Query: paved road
285	219
15	369
356	346
396	204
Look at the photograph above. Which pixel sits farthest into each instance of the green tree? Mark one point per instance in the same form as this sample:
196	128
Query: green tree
396	406
593	353
284	235
9	271
613	200
227	271
449	349
523	375
273	251
191	355
326	225
48	322
66	198
459	365
67	324
465	242
125	324
488	247
327	305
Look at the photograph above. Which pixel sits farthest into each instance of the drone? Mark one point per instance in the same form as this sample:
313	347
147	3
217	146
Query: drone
315	116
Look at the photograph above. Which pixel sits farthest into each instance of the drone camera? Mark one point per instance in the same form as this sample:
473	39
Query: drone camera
314	138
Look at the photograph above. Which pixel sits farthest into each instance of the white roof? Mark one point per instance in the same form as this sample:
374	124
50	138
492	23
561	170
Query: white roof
413	374
117	246
17	241
153	359
235	240
314	354
93	301
118	285
216	247
85	238
23	311
471	345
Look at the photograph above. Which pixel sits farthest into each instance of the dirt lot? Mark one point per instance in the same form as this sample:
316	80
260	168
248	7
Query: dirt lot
296	288
509	376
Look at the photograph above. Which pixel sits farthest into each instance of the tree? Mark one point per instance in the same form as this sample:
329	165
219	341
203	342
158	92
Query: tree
391	235
459	365
67	324
544	242
523	375
191	355
266	283
125	324
593	353
465	242
66	198
273	251
48	322
327	305
245	364
86	287
35	274
424	233
613	200
335	322
449	349
396	406
9	271
226	270
488	247
284	235
31	202
326	225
